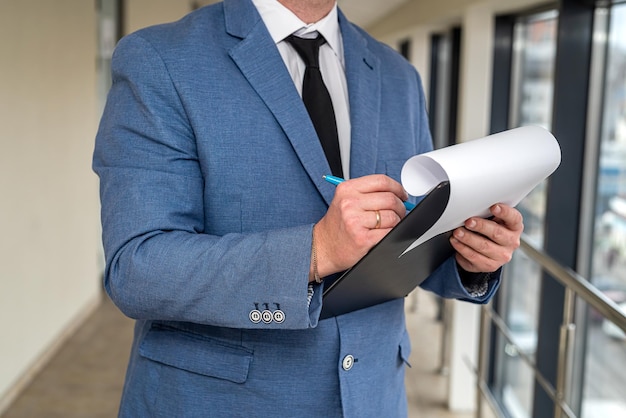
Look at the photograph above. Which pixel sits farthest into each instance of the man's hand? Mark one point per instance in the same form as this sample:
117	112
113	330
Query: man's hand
362	212
485	245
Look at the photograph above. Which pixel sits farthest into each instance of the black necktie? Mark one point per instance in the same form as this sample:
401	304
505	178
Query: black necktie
317	100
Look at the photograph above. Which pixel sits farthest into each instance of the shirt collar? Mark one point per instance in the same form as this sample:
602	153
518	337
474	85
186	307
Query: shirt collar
282	22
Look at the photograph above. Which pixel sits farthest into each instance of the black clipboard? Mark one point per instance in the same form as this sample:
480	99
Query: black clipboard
383	274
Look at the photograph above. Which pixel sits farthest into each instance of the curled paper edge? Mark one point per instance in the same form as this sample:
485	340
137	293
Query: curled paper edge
499	168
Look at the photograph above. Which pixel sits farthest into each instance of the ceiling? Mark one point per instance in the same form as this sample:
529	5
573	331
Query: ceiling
365	12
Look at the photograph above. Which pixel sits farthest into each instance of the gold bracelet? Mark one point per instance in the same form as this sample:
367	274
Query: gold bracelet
316	276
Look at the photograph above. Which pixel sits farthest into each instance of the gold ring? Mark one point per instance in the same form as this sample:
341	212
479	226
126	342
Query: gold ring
377	219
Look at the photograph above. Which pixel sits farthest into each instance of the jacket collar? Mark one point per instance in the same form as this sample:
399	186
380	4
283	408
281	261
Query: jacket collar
364	92
260	62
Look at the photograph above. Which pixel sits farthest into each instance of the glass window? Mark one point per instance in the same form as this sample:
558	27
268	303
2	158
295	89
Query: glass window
531	104
604	387
533	81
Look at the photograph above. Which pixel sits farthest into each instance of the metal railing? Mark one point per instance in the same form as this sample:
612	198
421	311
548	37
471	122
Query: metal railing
575	286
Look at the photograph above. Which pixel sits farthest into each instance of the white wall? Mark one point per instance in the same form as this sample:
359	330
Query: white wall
142	13
49	225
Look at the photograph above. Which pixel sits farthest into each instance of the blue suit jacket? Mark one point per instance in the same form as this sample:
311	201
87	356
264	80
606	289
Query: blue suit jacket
211	181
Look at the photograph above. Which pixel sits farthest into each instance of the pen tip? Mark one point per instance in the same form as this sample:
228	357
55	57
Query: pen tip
324	177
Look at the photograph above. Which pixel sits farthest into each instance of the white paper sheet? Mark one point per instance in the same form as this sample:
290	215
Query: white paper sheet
500	168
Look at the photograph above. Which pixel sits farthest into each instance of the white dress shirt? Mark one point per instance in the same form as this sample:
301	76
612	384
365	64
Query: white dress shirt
282	22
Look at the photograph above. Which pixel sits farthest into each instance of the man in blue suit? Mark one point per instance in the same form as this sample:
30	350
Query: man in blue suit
218	225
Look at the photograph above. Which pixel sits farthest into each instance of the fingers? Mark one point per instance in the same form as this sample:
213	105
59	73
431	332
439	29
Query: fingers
476	253
371	193
484	245
379	183
508	216
361	213
504	228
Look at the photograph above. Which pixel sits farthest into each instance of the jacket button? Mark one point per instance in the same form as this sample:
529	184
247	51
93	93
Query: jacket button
267	316
348	362
255	316
279	316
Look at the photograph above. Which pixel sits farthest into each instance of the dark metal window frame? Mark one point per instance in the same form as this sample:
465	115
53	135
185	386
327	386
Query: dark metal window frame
451	82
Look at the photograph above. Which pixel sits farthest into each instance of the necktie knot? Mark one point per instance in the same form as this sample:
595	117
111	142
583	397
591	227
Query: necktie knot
308	49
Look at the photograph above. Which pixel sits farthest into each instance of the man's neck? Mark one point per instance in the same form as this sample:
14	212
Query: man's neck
309	11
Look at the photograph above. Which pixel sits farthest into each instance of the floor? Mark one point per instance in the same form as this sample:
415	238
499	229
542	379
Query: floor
84	379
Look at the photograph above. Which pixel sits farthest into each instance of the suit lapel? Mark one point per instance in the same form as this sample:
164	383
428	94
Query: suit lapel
364	84
260	62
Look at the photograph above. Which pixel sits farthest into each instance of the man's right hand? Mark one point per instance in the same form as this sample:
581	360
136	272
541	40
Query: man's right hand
362	212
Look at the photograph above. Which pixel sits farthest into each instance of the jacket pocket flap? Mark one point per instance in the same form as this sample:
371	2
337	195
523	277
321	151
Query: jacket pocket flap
196	354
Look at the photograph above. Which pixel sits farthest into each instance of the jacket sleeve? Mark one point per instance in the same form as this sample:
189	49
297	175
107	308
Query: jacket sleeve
446	282
160	264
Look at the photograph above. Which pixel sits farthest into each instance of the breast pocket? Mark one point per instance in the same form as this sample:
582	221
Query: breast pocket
196	353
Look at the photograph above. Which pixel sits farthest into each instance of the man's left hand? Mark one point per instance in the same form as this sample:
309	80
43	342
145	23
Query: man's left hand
485	245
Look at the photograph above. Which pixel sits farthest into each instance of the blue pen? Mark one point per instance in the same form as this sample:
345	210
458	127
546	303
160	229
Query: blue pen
336	180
